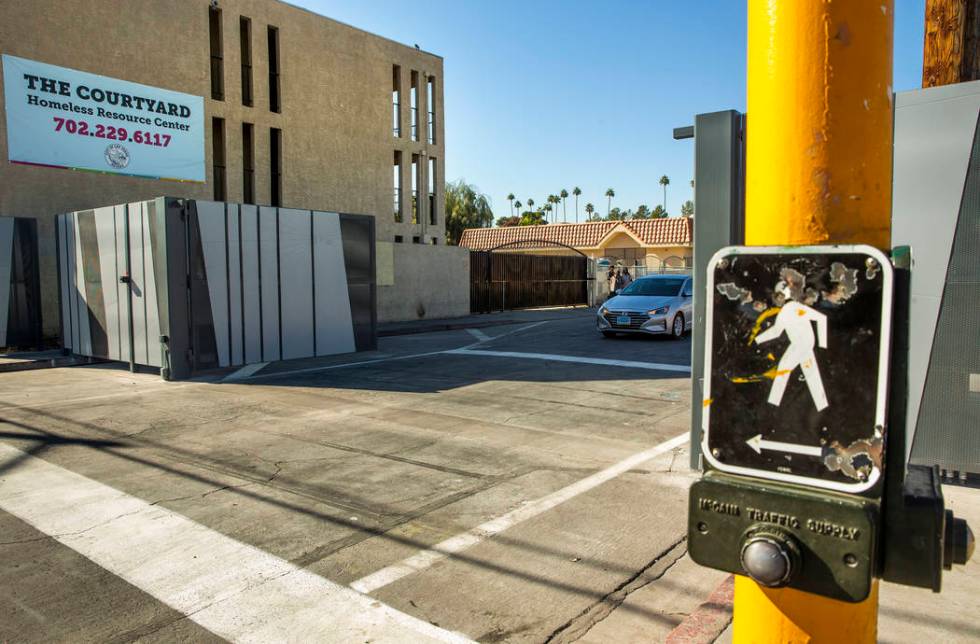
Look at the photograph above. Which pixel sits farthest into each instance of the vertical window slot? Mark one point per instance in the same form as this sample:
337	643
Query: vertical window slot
430	101
416	176
217	54
248	163
218	158
397	182
275	103
275	165
396	92
433	218
414	103
245	37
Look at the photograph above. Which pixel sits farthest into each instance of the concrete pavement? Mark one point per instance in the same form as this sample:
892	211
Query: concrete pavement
341	469
519	483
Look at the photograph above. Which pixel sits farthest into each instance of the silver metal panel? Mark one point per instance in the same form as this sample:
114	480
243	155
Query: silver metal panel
269	282
334	327
137	281
84	345
250	284
211	219
234	286
296	272
105	231
72	288
933	139
122	289
154	356
63	283
719	179
6	259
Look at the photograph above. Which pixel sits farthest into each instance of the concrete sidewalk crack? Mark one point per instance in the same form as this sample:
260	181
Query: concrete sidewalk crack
582	623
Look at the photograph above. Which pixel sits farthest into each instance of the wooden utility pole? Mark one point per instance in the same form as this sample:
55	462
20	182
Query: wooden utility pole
951	51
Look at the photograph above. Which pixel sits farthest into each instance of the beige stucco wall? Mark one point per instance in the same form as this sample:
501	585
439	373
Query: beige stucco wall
657	256
336	107
621	240
429	282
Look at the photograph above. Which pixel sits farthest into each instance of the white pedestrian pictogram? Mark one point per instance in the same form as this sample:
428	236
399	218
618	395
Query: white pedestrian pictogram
797	320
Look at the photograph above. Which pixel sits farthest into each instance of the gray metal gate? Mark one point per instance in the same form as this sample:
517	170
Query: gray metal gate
187	286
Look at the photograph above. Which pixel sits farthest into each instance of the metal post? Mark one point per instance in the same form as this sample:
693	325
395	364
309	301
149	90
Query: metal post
818	170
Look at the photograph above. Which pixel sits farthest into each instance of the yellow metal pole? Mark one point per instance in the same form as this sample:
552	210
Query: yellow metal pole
818	170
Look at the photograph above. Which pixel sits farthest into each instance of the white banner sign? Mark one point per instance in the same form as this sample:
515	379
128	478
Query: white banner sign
64	118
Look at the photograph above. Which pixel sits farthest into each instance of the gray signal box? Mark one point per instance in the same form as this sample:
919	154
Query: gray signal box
936	212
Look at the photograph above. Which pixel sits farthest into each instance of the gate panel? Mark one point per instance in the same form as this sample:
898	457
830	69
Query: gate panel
296	273
269	281
251	291
211	218
20	289
118	252
105	231
505	280
234	270
6	268
332	316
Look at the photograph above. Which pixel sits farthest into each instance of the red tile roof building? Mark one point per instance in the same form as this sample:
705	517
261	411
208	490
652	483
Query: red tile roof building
642	242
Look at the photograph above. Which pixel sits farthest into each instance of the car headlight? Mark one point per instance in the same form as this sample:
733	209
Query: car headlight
660	311
603	311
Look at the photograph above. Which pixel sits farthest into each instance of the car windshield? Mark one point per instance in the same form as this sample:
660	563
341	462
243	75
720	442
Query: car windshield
654	286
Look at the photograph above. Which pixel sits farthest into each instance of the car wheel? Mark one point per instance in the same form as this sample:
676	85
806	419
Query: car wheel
608	334
677	328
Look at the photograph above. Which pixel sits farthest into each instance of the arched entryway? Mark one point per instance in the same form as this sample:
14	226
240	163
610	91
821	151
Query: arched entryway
529	274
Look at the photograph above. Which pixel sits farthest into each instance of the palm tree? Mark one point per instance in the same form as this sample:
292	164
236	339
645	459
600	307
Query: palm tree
530	205
552	199
576	191
518	204
589	209
609	194
547	209
664	181
564	211
510	198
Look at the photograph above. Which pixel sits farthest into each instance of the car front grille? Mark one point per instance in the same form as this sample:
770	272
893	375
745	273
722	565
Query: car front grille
636	319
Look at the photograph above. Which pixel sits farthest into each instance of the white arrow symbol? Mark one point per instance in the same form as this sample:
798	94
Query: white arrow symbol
758	444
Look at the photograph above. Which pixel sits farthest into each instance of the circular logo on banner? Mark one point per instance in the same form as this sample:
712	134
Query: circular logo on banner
117	156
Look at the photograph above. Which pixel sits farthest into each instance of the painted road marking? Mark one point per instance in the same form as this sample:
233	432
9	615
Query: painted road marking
232	589
655	366
344	365
443	549
478	334
244	372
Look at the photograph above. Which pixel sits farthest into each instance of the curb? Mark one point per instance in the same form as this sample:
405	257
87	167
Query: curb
49	363
459	326
709	620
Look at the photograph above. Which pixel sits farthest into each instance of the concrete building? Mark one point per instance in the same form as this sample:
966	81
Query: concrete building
299	111
644	245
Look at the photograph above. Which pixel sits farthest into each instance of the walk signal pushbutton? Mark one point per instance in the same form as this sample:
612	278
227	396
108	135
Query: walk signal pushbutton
768	559
799	346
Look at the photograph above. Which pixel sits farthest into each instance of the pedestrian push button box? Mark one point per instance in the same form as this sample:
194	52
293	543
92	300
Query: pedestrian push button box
797	352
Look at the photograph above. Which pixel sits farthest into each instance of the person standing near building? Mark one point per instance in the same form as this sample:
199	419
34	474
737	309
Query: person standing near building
627	278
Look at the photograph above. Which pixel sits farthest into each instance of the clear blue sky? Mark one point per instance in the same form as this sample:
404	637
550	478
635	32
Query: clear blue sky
544	95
